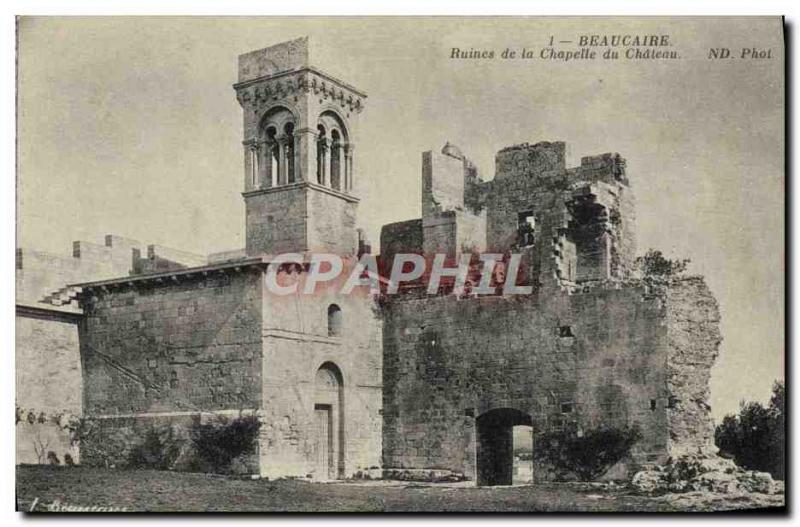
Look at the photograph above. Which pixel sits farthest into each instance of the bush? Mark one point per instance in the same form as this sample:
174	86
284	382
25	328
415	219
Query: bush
589	456
52	458
218	444
654	265
755	438
98	444
159	450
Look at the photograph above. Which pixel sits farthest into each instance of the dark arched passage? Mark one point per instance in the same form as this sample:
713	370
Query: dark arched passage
495	448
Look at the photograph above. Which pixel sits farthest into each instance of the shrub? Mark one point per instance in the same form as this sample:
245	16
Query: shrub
589	456
99	445
755	438
159	450
218	444
654	265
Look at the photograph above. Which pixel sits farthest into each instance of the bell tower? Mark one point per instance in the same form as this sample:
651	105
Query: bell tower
299	141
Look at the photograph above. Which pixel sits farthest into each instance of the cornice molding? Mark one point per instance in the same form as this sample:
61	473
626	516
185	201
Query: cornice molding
266	90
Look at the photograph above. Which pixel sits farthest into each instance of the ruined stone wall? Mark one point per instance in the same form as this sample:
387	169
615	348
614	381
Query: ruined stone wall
694	338
585	360
296	344
608	172
584	216
401	237
470	232
440	233
453	232
181	346
541	160
443	180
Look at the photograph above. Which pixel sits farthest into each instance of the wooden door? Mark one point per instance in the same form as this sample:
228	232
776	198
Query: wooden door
324	441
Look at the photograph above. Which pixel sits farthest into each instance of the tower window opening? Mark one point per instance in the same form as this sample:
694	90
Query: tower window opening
271	157
334	321
526	226
565	331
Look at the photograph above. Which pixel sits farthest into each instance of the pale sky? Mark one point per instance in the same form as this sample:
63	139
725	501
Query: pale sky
130	126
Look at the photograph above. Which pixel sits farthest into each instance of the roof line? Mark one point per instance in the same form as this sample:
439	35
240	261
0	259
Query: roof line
223	266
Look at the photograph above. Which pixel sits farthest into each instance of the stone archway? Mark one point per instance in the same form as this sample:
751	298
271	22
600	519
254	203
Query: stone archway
495	446
328	428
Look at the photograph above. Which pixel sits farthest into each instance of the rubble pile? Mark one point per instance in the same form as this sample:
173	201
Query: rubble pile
704	472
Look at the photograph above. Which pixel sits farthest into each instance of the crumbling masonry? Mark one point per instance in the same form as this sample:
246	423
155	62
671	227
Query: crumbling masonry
356	385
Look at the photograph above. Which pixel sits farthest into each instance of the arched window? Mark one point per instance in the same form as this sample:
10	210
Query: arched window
276	148
335	152
334	320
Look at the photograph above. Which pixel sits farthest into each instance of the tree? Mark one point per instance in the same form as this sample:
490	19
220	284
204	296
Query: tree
755	438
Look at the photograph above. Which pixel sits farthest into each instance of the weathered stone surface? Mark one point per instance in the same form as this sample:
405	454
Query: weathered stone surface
591	347
692	317
186	346
704	472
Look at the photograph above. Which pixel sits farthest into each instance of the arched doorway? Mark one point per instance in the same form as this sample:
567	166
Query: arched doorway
495	448
328	422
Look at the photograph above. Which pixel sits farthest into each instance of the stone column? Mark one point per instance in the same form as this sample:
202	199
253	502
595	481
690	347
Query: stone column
348	167
254	166
336	176
306	155
265	163
250	165
267	156
283	164
318	164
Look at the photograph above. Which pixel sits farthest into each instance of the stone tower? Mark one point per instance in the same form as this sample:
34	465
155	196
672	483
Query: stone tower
299	130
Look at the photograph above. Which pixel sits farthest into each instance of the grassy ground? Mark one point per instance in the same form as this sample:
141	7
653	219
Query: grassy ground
169	491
